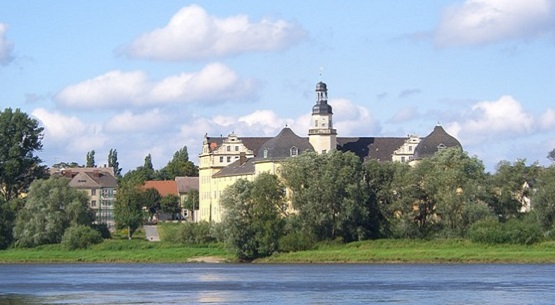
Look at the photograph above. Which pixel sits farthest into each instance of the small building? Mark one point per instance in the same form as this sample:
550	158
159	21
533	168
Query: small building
101	186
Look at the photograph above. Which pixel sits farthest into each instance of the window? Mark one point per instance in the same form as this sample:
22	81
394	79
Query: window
228	148
403	159
221	159
265	153
315	123
441	146
236	148
93	192
410	148
294	151
323	151
93	203
228	159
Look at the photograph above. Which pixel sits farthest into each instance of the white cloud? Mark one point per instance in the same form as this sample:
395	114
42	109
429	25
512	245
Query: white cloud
214	83
130	122
352	119
491	120
6	46
547	119
69	133
478	22
193	34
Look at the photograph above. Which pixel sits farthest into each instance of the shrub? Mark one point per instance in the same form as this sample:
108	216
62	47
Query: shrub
515	231
295	241
103	230
192	234
80	237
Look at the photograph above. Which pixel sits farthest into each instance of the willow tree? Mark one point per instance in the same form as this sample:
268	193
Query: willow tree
253	219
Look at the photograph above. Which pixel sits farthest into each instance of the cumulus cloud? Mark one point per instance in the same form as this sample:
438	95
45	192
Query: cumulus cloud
69	133
193	34
490	120
214	83
127	121
547	119
352	119
6	46
477	22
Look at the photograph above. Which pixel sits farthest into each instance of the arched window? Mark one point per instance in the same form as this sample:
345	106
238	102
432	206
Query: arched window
265	153
294	151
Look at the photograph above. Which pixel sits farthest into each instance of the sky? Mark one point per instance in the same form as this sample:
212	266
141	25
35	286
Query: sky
150	77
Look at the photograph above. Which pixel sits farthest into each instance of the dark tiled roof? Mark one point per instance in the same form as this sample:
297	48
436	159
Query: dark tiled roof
371	148
236	169
279	147
186	184
90	178
439	138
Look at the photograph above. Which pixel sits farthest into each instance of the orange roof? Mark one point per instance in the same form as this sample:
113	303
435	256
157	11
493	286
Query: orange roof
163	187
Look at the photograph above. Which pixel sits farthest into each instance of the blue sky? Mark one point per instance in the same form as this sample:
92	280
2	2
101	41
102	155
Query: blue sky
149	77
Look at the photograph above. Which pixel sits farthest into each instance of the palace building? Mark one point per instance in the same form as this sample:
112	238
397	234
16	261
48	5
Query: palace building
224	160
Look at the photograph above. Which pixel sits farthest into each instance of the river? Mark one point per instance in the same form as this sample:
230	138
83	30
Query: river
277	284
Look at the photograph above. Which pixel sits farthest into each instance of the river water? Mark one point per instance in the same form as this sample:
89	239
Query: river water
277	284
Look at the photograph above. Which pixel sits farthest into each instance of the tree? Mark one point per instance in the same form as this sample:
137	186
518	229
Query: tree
7	217
510	187
152	200
113	162
443	194
551	155
128	206
50	208
544	198
20	138
253	219
178	166
60	165
141	173
327	192
170	204
90	159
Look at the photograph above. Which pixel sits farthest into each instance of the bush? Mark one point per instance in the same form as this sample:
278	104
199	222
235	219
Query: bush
295	241
80	237
515	231
103	230
192	234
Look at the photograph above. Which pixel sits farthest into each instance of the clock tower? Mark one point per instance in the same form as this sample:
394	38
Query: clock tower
321	134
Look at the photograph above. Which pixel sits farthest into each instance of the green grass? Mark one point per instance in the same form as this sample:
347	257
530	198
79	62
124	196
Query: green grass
119	249
417	251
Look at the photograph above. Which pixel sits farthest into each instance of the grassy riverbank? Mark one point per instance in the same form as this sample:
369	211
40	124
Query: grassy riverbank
378	251
418	251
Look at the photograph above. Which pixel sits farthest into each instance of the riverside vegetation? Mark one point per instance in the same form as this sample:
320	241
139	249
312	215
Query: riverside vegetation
338	209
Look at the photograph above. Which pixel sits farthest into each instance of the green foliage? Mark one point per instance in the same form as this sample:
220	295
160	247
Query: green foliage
51	207
152	199
523	231
189	233
103	229
20	138
551	155
170	204
7	218
128	206
544	198
328	192
192	203
253	218
510	186
113	162
80	237
90	159
179	166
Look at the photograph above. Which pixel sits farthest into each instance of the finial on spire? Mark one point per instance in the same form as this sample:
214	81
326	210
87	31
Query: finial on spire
321	71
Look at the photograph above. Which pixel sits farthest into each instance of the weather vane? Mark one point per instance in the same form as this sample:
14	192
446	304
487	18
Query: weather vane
321	71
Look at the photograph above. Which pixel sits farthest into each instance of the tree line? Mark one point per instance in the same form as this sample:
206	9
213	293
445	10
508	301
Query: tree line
37	209
336	197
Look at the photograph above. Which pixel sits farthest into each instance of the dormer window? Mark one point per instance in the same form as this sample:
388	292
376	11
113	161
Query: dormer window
265	153
294	151
441	146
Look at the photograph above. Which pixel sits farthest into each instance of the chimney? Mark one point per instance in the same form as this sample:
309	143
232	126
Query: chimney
96	173
242	158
